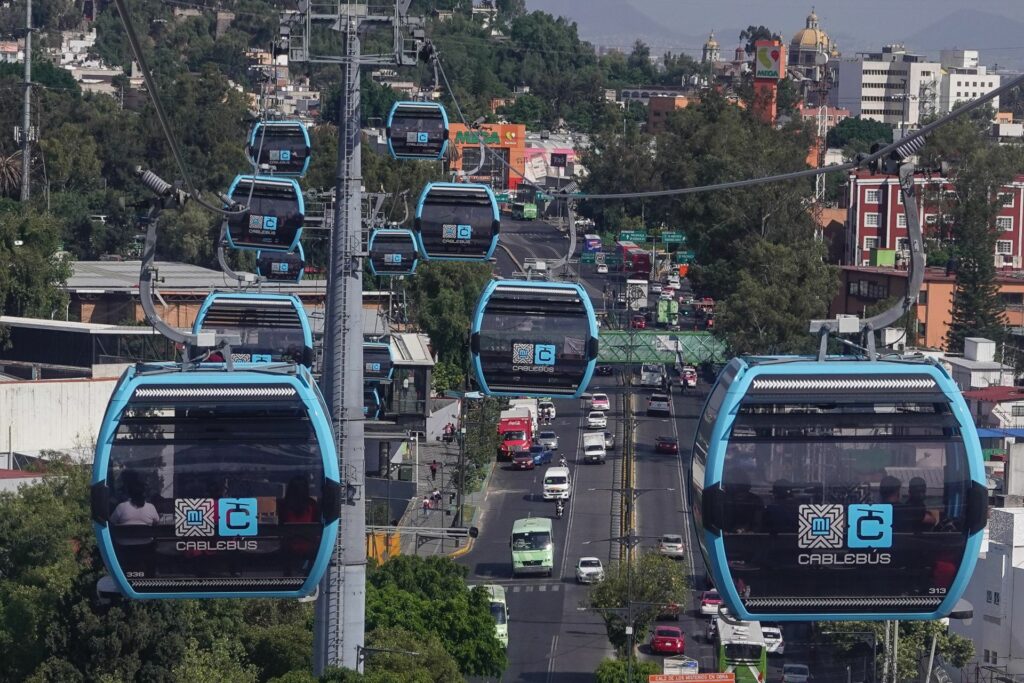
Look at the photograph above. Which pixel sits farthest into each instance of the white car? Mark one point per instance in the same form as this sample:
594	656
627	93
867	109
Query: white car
547	408
665	296
549	440
795	673
671	545
659	404
596	420
589	570
773	640
600	402
655	288
602	269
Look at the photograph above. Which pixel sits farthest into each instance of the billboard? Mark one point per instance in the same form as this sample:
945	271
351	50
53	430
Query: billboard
769	59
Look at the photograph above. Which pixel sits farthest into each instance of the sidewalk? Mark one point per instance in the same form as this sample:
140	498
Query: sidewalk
447	457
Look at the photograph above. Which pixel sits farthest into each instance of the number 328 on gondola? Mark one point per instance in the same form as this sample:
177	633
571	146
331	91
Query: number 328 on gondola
843	489
215	484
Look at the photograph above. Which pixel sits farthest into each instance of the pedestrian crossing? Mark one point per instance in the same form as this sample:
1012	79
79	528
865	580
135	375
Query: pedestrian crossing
548	587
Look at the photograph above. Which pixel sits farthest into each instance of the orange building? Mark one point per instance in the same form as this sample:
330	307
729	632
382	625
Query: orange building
658	109
508	140
864	286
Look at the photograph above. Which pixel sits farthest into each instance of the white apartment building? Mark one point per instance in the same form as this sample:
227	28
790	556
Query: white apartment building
964	79
997	627
891	86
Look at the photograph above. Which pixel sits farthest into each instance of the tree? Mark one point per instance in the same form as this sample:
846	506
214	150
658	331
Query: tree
614	671
855	134
429	597
653	582
980	168
10	174
752	34
914	644
31	273
443	296
219	664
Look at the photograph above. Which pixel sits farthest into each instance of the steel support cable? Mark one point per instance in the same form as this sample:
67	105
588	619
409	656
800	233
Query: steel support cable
147	76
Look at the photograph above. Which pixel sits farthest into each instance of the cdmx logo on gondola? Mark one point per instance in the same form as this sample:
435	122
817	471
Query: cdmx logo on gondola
200	518
833	527
457	231
541	357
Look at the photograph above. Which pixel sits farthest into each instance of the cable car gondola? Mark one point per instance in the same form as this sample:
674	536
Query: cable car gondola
837	489
212	484
378	365
274	214
281	266
534	339
457	222
393	252
282	145
272	328
417	130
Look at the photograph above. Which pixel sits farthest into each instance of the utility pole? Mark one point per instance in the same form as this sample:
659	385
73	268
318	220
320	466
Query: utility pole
340	618
26	116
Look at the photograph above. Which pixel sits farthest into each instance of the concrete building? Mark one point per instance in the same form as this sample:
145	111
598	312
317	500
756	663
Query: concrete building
964	79
892	86
12	52
659	107
997	628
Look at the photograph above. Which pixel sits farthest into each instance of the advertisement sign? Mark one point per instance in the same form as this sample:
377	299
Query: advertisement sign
768	62
685	678
559	160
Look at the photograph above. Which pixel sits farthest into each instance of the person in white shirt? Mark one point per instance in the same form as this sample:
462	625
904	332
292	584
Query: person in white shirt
135	511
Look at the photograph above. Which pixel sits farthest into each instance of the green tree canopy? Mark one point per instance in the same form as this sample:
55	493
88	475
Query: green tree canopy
856	134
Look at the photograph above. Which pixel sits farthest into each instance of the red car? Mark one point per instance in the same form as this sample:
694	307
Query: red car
638	322
709	603
668	640
666	444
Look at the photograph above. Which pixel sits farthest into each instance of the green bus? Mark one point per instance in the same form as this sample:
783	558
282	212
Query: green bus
533	550
524	211
740	650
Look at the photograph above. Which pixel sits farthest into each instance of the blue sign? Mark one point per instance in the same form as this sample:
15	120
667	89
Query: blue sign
237	517
870	526
544	354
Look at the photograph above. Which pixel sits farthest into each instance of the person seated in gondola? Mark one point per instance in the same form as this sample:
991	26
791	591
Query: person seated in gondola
744	509
297	508
136	511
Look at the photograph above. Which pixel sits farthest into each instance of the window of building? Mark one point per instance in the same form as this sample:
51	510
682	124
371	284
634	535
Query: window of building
871	220
870	242
901	220
930	219
988	597
1006	198
1004	247
995	657
903	244
871	196
1004	222
987	657
995	594
922	297
1011	298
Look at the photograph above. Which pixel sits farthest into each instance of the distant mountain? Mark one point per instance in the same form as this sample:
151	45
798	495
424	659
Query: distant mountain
970	29
606	22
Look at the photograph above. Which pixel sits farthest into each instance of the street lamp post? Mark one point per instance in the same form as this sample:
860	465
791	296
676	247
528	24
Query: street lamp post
874	646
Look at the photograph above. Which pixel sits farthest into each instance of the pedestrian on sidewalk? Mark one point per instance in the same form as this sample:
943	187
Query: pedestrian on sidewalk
436	498
426	504
433	470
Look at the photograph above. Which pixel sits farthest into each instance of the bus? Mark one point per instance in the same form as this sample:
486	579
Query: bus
591	244
634	261
524	211
533	550
651	375
740	650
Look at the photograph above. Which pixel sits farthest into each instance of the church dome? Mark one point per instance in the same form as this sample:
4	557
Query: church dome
711	42
811	37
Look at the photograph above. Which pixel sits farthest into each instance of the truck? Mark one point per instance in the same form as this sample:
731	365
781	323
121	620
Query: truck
636	294
668	312
594	447
527	404
516	435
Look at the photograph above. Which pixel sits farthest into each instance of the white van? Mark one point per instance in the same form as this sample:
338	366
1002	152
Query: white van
594	447
557	483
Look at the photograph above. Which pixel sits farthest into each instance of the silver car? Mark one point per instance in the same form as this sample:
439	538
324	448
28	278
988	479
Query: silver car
609	441
589	570
549	440
671	545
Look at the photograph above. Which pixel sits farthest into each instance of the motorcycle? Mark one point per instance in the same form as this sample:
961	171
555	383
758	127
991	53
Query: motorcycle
559	509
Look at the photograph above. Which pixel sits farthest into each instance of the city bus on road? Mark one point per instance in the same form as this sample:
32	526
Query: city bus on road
635	262
592	244
740	650
524	211
533	548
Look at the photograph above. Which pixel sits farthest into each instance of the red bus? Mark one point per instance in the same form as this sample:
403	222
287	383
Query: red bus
635	261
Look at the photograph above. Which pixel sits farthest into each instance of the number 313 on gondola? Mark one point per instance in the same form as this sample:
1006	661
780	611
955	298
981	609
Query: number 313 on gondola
215	484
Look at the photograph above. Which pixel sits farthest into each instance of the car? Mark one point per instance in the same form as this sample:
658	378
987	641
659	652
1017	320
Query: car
655	288
773	641
547	408
658	404
668	640
671	545
795	673
589	570
596	420
666	444
549	440
688	376
639	322
609	440
621	299
665	296
710	601
602	268
523	460
712	630
600	402
541	454
604	370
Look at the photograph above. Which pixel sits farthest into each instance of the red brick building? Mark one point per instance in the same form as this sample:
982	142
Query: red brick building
875	218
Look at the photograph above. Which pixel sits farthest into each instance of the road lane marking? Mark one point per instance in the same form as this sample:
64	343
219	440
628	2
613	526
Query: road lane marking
551	658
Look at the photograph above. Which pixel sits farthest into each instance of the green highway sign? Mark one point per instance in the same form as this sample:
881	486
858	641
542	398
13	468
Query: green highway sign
632	236
685	256
588	257
503	198
672	237
613	259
